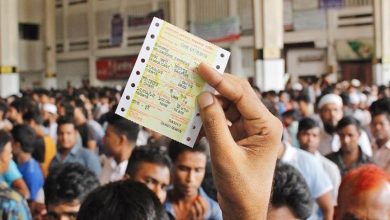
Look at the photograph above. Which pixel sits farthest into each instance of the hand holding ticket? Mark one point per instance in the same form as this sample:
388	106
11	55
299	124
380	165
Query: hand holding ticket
162	89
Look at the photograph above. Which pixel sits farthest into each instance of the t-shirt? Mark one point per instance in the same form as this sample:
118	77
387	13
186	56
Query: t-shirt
12	204
33	177
11	174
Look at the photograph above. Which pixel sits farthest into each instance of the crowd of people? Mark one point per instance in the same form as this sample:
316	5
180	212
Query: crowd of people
308	152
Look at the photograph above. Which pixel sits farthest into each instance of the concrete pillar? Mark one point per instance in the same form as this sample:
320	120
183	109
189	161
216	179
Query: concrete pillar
9	50
50	77
268	37
178	9
382	42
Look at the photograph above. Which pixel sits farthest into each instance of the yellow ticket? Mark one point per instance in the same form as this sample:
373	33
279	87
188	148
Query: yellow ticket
162	89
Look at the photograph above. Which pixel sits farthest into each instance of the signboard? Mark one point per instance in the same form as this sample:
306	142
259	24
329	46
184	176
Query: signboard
116	30
362	49
115	68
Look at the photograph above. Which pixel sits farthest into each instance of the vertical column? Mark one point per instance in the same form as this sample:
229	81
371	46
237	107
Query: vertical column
9	50
268	37
92	43
382	42
178	9
50	78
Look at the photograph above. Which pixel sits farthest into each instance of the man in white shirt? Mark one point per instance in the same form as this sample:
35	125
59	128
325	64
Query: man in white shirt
316	178
309	140
331	111
119	142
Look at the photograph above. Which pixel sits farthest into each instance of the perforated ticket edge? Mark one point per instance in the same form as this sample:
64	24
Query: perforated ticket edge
195	123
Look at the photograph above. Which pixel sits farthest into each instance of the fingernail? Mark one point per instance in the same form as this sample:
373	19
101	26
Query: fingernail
205	99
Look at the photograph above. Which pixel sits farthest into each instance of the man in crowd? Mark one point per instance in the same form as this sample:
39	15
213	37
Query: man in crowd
119	141
316	178
290	198
364	194
66	188
350	154
151	166
70	148
23	146
15	111
380	127
309	140
122	200
44	147
331	111
187	200
49	114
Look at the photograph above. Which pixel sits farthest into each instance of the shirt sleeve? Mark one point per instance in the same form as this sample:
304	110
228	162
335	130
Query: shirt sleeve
12	173
320	181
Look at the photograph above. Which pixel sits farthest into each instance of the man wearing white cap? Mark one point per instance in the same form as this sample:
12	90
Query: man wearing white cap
330	110
50	119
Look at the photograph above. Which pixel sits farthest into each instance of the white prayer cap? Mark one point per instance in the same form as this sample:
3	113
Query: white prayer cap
48	107
354	98
330	99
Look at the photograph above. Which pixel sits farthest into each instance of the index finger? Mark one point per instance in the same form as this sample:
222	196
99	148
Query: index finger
235	90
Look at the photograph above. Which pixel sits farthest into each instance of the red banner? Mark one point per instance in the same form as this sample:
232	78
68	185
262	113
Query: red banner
115	68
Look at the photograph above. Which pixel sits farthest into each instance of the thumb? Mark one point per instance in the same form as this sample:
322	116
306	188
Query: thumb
214	124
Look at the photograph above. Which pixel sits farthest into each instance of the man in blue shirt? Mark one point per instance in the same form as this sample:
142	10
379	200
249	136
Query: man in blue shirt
23	146
70	148
187	200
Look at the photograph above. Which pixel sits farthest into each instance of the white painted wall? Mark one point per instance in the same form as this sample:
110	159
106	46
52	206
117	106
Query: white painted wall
72	71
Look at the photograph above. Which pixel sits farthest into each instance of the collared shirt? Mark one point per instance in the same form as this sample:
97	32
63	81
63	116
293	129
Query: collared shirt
382	156
12	204
312	171
112	171
80	155
337	158
333	172
331	143
214	212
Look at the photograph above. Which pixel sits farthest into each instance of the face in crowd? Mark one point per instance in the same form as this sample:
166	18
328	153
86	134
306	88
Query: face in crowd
331	114
188	172
156	177
67	136
309	140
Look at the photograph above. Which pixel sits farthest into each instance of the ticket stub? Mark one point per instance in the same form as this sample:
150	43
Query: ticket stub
162	89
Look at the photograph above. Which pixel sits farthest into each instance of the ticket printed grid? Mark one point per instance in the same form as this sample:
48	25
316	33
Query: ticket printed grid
162	89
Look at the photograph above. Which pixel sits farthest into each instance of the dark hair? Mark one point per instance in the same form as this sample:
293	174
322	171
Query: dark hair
290	189
348	120
3	107
176	148
33	115
18	105
5	137
65	120
69	109
155	155
307	124
303	98
290	113
123	126
68	182
122	200
80	104
25	135
381	107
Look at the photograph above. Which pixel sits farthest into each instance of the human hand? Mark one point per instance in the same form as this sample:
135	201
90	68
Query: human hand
244	154
199	209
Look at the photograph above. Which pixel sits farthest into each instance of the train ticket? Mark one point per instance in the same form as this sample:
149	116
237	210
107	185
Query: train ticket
162	88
